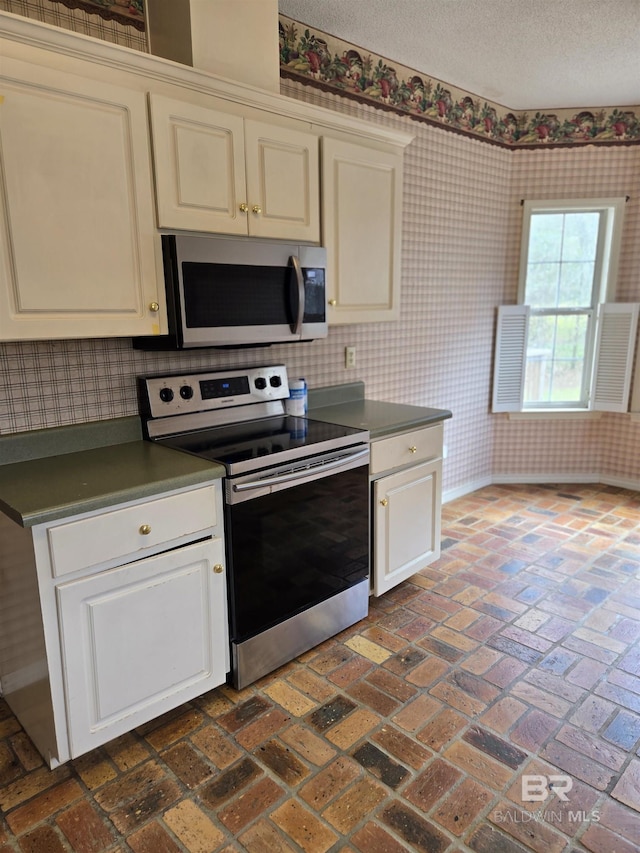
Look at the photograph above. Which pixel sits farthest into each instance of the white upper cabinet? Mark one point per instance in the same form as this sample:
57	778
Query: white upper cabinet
80	252
199	167
221	173
362	212
283	180
78	248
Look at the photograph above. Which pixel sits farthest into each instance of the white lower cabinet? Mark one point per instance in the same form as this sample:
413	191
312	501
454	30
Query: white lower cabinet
406	519
407	505
122	617
141	639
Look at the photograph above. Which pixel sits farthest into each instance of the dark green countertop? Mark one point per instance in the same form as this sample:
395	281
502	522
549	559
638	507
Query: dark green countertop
38	443
55	473
346	405
57	486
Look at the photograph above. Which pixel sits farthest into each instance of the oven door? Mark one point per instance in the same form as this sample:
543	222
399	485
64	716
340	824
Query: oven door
296	539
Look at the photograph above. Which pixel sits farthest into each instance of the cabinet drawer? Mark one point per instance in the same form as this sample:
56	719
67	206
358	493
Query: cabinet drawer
406	449
123	532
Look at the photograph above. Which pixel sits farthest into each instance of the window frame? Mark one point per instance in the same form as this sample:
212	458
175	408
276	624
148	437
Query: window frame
610	236
609	240
612	341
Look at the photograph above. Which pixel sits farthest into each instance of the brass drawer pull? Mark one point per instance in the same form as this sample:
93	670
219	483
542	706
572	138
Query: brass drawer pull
145	529
413	449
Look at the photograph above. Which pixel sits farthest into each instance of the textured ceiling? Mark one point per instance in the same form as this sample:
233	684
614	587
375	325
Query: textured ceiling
521	54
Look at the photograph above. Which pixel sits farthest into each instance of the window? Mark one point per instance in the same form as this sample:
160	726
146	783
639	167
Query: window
565	346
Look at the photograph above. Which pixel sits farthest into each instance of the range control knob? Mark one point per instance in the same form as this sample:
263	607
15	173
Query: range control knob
261	383
186	392
166	395
275	381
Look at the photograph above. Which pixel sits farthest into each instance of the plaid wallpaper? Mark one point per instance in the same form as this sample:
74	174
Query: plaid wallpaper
461	227
611	444
78	20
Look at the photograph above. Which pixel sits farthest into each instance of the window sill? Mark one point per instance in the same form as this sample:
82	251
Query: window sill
555	415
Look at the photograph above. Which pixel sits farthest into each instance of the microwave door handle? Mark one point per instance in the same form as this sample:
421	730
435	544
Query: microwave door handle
296	327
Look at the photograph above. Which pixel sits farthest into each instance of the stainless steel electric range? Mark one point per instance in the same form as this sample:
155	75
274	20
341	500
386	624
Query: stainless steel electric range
296	508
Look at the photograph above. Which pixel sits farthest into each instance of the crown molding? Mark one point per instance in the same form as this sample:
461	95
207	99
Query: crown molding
36	34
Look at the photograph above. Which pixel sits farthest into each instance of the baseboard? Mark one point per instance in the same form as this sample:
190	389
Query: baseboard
523	478
541	479
621	483
461	491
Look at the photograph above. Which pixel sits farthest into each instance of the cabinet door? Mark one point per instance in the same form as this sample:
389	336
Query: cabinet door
140	640
406	519
199	167
77	236
282	182
362	209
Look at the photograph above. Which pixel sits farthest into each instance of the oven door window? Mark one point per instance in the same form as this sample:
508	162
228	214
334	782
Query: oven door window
296	548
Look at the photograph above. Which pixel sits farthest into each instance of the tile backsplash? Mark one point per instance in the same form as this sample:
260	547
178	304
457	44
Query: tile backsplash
461	228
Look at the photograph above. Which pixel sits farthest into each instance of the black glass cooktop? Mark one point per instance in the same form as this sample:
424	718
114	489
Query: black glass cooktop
257	444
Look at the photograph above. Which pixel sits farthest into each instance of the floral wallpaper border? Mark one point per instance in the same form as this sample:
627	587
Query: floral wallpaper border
123	11
318	59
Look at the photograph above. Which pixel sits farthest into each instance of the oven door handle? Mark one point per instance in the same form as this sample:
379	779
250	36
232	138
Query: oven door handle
302	474
296	326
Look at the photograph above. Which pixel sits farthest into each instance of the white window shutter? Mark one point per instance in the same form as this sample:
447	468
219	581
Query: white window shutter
615	345
510	358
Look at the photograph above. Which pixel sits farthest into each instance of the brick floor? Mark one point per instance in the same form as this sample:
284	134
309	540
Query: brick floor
440	723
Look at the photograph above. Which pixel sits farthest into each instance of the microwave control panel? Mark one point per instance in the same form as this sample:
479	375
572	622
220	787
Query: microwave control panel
188	393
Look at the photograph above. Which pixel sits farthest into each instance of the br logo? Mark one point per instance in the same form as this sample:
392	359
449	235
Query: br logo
536	788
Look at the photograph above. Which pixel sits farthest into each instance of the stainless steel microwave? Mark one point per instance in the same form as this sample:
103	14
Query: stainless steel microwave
223	291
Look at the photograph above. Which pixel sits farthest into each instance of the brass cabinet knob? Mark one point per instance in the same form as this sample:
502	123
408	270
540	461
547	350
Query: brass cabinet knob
413	450
333	302
218	569
244	207
153	306
256	208
384	502
145	529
